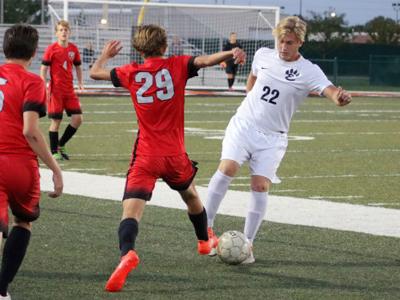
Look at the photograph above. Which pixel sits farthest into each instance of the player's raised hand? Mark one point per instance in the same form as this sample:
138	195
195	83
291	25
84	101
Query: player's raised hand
342	97
111	48
239	56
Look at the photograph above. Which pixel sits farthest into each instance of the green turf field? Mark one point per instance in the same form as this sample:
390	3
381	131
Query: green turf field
74	250
354	157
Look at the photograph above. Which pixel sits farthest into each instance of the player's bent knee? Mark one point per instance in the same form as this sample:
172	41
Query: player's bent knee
23	224
229	167
76	121
260	184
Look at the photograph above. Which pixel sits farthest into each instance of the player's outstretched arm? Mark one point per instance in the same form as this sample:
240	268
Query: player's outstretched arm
213	59
338	95
43	73
98	70
79	75
38	144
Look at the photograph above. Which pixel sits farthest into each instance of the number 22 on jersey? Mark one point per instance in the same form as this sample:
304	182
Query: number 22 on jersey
164	84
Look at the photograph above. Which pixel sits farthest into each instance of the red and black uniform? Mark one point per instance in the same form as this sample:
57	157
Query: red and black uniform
157	90
62	96
20	91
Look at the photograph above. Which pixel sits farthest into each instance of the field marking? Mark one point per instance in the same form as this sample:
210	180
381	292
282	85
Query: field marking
288	210
318	176
336	197
382	203
133	121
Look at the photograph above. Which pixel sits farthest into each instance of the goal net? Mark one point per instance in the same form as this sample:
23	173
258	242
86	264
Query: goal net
192	30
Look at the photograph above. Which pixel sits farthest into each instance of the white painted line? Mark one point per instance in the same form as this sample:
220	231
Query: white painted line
381	204
335	197
287	210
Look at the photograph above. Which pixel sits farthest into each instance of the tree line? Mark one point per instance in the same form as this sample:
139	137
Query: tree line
323	28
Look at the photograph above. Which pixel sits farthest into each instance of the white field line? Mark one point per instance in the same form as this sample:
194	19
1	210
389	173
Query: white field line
287	210
318	176
226	122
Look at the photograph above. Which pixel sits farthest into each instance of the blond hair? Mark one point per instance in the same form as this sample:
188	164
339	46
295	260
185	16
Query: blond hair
151	40
62	23
291	24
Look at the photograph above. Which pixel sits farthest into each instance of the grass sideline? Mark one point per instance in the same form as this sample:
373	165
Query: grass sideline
348	154
74	249
353	157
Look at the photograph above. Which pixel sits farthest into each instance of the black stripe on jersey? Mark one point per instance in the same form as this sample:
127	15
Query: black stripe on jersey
34	106
56	116
192	69
71	112
138	194
77	63
114	78
46	62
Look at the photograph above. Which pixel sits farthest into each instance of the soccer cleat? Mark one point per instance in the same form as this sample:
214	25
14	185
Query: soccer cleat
205	247
117	279
57	156
63	152
8	297
214	241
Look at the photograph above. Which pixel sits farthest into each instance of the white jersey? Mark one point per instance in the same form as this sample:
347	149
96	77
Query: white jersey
279	89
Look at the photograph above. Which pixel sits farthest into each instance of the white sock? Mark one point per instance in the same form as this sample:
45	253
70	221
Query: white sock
217	188
255	214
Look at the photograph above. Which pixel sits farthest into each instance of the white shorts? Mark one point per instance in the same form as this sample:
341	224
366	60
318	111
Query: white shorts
243	142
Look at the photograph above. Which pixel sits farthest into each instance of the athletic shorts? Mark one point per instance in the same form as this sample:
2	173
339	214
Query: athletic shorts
19	189
59	101
177	171
231	68
264	152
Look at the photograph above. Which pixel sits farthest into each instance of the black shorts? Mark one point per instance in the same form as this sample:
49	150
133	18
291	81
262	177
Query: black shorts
231	68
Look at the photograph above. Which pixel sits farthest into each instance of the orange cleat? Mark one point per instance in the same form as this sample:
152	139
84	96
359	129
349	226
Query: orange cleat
214	242
206	247
117	279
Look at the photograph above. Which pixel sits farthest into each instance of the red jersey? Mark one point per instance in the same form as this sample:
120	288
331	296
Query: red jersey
157	90
60	60
20	91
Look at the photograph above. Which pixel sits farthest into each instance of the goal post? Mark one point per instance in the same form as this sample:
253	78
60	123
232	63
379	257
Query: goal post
192	30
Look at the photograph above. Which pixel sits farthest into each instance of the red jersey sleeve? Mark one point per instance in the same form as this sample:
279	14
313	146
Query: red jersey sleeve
192	69
77	59
120	76
35	97
46	60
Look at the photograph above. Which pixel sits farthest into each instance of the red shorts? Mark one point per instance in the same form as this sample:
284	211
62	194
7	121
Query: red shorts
19	189
177	171
59	101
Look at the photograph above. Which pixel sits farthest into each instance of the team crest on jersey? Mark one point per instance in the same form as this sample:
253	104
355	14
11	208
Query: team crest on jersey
71	55
291	74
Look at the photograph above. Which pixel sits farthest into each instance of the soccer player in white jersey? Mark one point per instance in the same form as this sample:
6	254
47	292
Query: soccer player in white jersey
278	82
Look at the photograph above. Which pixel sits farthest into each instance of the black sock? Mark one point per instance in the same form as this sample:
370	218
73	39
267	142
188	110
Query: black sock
53	137
199	222
127	232
13	255
68	134
230	82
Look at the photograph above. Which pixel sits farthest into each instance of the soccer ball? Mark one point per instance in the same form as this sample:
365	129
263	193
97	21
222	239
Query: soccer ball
233	247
